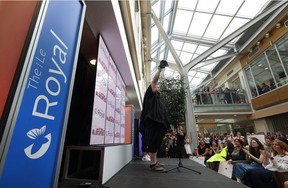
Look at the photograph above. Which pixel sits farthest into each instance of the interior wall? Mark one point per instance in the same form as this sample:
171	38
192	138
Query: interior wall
15	20
115	158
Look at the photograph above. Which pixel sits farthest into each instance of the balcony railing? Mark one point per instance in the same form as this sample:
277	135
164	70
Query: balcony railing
226	101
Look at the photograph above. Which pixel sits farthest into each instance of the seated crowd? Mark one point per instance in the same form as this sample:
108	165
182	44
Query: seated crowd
253	162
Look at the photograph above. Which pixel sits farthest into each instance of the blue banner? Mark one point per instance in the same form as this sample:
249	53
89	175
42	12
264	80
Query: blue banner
32	157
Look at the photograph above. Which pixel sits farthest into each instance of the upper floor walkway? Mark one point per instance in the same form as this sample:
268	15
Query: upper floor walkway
226	102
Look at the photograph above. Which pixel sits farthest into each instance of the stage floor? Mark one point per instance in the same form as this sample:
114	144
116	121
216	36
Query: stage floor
137	174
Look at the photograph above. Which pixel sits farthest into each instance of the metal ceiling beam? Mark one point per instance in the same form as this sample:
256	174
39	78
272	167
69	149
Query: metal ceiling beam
216	59
233	35
199	41
171	65
167	41
264	28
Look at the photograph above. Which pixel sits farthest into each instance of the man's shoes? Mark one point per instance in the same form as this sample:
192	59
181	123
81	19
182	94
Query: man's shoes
161	164
146	158
157	168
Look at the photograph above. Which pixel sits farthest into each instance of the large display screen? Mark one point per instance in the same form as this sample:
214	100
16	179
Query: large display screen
109	101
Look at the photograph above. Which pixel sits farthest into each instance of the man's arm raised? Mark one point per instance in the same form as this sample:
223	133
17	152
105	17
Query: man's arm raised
155	79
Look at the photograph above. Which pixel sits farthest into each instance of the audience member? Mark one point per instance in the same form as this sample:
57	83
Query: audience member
254	155
268	144
276	160
202	149
237	152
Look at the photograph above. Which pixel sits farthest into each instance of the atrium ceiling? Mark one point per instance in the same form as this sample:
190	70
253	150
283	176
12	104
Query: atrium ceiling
183	31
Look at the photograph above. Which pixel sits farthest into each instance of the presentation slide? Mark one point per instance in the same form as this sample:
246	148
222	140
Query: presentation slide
108	123
118	110
111	98
100	98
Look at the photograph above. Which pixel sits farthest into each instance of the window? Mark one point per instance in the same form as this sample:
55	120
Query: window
262	74
269	70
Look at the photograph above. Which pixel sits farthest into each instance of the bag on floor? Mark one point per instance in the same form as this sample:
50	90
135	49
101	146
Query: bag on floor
225	168
188	149
199	159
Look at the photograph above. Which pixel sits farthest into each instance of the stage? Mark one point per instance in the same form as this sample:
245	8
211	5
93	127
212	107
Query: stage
137	174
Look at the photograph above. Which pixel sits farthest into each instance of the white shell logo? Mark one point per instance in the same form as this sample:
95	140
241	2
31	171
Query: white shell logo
41	144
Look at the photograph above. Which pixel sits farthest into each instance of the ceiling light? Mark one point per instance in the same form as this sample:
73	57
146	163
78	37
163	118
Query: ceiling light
278	25
258	43
93	61
267	35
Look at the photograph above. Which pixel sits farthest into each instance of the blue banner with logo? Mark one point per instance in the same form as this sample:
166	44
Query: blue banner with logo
33	154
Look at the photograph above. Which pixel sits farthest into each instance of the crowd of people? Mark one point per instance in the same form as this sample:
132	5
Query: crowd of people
253	161
212	95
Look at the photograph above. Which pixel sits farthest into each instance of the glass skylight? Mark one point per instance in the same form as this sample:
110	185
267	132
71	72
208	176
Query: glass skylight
197	26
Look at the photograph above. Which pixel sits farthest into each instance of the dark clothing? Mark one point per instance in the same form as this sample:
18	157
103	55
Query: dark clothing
180	145
236	154
263	178
154	121
201	150
154	109
154	133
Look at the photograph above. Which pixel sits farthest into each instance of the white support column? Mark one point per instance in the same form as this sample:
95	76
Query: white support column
189	115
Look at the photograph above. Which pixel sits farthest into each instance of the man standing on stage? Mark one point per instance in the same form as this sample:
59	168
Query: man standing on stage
154	119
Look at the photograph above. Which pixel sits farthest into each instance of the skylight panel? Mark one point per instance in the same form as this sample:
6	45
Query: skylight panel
194	56
154	35
218	53
198	65
161	56
168	5
208	67
188	4
229	7
185	57
191	73
199	24
200	75
195	82
162	47
154	55
217	26
182	21
170	58
156	8
201	49
166	23
177	44
251	8
207	5
234	25
188	47
168	72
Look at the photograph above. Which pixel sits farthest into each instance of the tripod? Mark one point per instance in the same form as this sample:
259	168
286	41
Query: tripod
180	142
180	165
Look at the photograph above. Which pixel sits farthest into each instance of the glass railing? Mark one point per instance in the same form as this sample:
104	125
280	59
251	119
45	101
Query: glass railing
225	97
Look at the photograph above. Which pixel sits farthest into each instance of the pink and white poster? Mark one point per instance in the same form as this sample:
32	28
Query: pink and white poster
117	134
108	123
111	98
122	121
100	96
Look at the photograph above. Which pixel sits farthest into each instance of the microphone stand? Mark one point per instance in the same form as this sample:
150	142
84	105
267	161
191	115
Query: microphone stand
179	153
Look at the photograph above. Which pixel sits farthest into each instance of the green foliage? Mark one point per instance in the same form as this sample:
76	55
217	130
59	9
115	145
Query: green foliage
174	100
